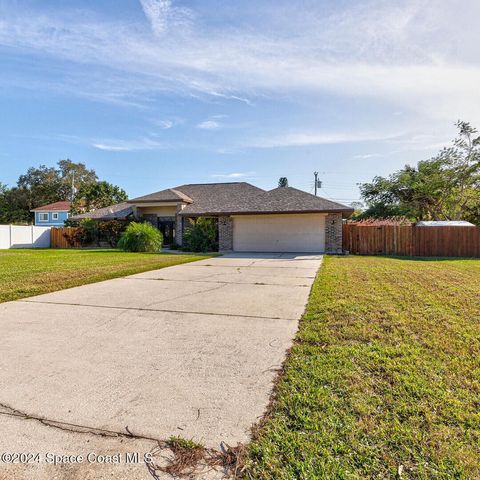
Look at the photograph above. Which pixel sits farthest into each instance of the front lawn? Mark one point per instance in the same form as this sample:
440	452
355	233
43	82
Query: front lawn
28	272
383	380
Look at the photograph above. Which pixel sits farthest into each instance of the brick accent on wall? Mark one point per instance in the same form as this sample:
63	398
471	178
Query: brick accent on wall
333	233
179	230
225	234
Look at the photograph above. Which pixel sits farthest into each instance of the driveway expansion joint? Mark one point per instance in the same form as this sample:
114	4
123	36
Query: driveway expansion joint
142	309
216	281
252	266
183	295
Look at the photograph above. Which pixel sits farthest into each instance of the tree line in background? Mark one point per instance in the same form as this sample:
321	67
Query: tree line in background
446	187
43	185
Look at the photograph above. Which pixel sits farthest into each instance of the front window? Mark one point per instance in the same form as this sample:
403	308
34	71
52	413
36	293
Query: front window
43	217
54	216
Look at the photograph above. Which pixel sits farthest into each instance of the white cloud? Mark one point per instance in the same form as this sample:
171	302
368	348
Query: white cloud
128	145
234	175
111	148
212	123
209	125
366	156
157	12
168	123
297	139
162	15
165	124
406	55
231	97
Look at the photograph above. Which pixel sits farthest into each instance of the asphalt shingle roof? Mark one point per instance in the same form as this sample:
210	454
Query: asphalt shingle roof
168	195
56	206
212	198
226	199
245	199
120	211
289	199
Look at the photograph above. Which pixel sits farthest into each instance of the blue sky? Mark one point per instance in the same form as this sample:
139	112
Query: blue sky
156	93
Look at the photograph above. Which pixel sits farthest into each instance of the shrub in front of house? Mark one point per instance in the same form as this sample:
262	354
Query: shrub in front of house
201	236
141	237
89	231
111	231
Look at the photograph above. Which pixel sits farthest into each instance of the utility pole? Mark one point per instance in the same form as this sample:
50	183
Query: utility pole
73	186
318	183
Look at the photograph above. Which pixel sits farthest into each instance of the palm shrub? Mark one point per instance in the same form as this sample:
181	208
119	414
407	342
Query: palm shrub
141	237
201	236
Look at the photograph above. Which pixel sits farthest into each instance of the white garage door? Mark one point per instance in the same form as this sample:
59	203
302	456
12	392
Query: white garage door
279	233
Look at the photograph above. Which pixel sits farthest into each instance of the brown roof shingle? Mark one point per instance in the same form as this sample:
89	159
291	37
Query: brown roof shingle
213	197
120	211
62	206
242	198
292	200
168	195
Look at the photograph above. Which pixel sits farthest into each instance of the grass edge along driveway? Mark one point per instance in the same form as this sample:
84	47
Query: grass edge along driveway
29	272
383	379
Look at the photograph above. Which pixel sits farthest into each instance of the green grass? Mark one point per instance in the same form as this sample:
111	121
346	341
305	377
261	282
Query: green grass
28	272
383	380
184	443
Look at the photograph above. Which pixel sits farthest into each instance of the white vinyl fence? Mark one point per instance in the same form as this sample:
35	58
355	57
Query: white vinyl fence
24	236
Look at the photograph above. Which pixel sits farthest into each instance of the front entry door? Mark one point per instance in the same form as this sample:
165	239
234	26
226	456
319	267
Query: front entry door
168	231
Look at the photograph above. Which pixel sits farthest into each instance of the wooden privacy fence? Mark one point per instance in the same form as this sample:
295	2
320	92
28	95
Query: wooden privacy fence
408	240
64	237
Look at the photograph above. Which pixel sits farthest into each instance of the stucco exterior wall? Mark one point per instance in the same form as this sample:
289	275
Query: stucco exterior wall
159	211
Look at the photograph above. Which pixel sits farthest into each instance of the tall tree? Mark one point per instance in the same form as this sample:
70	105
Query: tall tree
48	184
283	182
76	175
98	195
42	185
14	205
446	187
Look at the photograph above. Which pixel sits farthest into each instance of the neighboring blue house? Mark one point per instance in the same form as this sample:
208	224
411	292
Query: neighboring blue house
52	215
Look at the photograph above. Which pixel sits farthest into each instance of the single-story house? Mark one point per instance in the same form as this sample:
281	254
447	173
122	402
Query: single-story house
52	215
248	218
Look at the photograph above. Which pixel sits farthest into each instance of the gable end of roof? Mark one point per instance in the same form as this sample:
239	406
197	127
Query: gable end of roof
167	195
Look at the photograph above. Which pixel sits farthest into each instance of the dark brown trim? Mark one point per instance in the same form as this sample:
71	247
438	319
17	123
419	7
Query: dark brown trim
288	212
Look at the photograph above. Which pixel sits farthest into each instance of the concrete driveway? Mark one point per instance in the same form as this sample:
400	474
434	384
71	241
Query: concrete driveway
189	351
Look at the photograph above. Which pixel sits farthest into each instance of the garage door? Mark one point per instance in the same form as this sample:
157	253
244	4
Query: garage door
279	233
